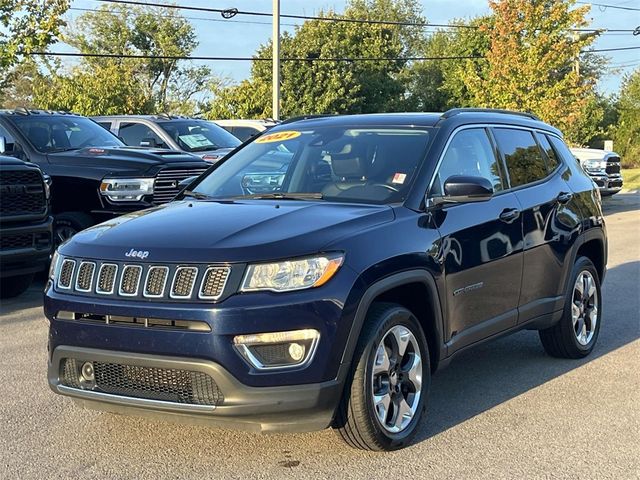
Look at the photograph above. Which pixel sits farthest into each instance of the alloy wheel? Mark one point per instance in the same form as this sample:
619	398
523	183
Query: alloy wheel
396	379
584	307
63	233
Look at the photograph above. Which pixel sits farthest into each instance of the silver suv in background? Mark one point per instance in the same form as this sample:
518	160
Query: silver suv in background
602	166
245	129
174	132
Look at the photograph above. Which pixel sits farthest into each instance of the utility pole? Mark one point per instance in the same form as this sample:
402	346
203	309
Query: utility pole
275	41
578	37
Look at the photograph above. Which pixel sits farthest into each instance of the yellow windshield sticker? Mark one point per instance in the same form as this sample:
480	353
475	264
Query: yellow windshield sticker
278	136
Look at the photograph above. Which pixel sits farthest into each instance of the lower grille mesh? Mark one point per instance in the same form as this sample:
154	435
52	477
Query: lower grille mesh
165	384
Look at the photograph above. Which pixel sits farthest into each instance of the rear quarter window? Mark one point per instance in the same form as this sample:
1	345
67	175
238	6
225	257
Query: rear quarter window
522	155
552	158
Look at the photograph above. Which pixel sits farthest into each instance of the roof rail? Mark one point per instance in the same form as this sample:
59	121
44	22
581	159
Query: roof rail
22	111
306	117
455	111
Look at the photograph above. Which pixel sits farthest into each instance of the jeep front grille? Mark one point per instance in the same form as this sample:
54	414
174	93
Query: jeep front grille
152	383
66	273
213	283
166	185
130	280
183	282
169	282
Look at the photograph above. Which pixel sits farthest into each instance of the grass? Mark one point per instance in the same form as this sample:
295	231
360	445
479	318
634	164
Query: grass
631	178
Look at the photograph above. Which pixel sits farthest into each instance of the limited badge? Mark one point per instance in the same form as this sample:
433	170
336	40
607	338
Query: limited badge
399	178
278	136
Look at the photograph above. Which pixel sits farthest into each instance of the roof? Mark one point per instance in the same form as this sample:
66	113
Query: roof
159	116
457	116
21	111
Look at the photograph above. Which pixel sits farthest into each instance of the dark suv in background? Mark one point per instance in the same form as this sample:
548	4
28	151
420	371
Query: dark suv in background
95	177
175	132
320	274
25	225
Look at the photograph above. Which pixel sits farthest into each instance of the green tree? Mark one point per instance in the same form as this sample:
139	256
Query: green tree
100	85
531	64
318	86
626	134
26	26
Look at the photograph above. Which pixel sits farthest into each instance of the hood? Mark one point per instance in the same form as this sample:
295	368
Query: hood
126	159
226	231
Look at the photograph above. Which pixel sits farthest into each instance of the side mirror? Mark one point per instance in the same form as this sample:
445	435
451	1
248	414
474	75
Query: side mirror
464	189
3	145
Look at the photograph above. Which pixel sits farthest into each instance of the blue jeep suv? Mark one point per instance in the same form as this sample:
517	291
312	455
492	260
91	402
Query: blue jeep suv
322	273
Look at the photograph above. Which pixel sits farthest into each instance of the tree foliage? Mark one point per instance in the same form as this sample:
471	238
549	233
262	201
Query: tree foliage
531	60
129	85
329	86
627	131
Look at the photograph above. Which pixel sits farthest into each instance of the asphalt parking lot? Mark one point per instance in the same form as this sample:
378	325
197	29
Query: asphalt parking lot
501	410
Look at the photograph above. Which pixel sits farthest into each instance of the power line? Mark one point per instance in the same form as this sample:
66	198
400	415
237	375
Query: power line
233	12
606	5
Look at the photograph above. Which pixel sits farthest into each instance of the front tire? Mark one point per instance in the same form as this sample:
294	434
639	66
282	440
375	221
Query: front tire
385	398
67	224
575	335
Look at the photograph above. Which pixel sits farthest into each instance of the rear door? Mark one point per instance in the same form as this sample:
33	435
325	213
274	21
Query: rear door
481	244
535	176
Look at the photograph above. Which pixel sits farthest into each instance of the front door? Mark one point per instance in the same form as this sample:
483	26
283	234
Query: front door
481	245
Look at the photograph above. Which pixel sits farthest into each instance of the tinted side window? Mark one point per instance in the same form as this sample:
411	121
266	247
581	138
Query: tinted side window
522	154
561	149
552	158
135	133
105	125
469	153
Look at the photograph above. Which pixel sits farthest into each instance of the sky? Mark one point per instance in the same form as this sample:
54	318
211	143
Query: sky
219	37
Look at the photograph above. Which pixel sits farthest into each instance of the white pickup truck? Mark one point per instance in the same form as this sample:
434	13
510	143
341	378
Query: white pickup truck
602	166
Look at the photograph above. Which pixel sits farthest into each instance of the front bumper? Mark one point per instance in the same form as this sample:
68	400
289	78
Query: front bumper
607	183
294	408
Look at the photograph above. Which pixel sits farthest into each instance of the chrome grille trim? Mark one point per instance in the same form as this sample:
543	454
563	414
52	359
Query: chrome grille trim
110	281
190	275
222	282
65	278
149	278
125	278
86	269
165	186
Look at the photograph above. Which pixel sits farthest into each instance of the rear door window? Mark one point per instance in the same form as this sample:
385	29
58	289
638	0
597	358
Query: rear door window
552	158
244	133
522	155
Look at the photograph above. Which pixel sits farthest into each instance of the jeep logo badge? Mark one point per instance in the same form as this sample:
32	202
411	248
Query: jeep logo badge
141	254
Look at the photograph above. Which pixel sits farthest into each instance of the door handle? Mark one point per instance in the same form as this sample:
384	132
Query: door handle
564	197
508	215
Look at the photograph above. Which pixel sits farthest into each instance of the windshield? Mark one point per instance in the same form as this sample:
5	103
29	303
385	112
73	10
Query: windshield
353	164
58	133
199	135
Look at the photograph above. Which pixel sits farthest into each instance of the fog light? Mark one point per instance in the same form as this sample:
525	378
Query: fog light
88	374
278	349
296	351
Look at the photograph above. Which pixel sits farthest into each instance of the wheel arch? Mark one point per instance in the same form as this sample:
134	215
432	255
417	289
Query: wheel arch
408	289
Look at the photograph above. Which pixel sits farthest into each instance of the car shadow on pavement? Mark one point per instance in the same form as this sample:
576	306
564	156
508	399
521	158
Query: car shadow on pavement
621	202
32	298
497	371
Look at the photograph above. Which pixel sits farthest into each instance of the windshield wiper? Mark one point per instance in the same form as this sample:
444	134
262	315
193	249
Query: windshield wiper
284	196
64	149
197	195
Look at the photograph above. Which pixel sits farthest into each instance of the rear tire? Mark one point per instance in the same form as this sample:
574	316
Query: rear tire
67	224
575	335
386	395
14	286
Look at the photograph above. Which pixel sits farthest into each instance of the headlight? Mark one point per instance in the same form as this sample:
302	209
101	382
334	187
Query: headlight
291	274
126	189
55	264
595	165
